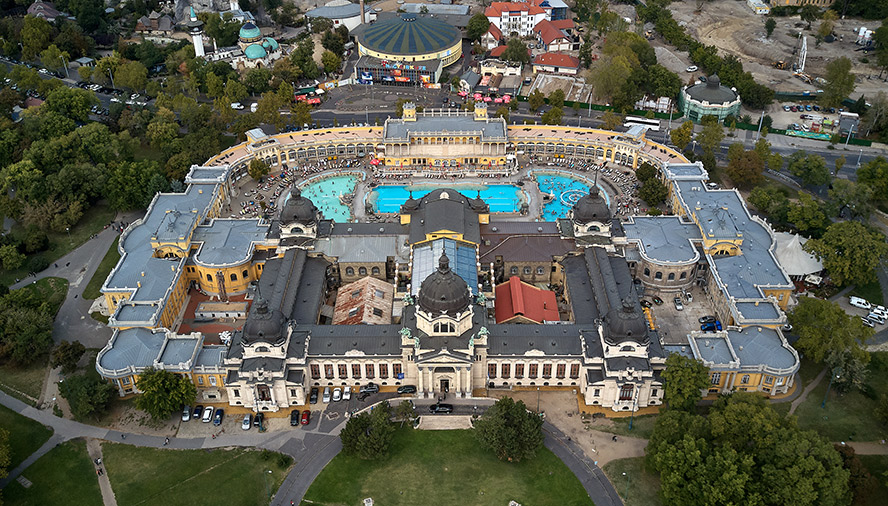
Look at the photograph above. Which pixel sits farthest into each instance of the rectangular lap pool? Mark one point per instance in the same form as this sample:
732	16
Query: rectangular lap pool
502	198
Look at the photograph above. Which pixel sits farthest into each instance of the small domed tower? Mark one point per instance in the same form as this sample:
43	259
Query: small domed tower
444	303
590	215
195	28
299	216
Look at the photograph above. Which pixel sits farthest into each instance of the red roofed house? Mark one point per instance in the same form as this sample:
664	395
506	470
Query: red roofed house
515	17
556	63
491	38
45	10
551	37
519	302
366	301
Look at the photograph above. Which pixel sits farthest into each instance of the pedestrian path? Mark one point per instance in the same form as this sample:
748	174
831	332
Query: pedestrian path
808	389
94	448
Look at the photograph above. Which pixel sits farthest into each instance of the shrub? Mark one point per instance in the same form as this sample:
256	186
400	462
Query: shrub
37	263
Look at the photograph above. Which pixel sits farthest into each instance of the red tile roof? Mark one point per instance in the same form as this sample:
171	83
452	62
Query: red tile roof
495	32
563	24
516	298
548	31
557	60
497	9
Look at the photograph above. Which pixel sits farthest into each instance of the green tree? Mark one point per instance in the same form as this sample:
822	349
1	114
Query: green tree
88	396
861	482
645	172
36	36
839	82
66	355
368	435
681	136
824	328
302	114
502	112
770	24
163	392
744	167
72	103
477	27
258	169
828	23
333	42
809	14
849	251
320	25
132	185
258	81
807	215
653	191
875	175
10	257
303	58
235	91
553	116
25	326
711	136
331	62
556	98
536	99
509	430
856	198
54	58
4	452
609	75
611	120
405	411
516	51
811	169
131	75
685	380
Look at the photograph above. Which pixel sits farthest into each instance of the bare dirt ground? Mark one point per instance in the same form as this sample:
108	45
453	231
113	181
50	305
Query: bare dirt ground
573	87
732	27
561	411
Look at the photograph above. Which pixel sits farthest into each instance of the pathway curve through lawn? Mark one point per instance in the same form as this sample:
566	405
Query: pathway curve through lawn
94	448
808	389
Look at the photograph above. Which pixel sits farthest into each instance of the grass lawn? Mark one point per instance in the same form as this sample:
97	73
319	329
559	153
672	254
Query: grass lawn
642	426
872	292
26	379
61	243
25	435
65	475
92	289
850	416
445	467
641	485
808	370
877	465
145	476
52	290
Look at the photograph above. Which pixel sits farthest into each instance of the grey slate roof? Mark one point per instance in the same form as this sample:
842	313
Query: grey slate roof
712	91
361	229
396	129
263	363
582	299
523	242
376	340
210	356
228	241
664	238
365	248
435	213
471	78
758	311
761	345
179	350
134	347
311	291
624	363
337	11
516	339
715	349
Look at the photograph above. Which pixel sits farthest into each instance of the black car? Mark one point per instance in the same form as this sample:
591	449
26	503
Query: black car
313	398
294	417
370	388
441	408
198	412
258	419
706	319
407	389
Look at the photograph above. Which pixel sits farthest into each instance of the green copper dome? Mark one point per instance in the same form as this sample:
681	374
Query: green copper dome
270	44
249	31
255	51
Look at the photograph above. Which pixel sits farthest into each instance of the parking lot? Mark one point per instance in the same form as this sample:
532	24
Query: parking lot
673	324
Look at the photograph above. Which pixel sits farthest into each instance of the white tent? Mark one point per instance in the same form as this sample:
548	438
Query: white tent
793	258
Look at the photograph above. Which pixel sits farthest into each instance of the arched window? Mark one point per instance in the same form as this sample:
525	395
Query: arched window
527	271
540	271
671	276
349	271
658	275
362	271
745	379
647	272
245	274
209	278
683	275
233	276
513	270
375	271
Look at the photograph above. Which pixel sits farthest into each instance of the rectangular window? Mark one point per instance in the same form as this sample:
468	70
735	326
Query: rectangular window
356	371
396	370
368	370
352	312
343	371
519	370
200	380
504	370
383	371
533	370
559	371
125	381
377	311
379	294
491	370
328	371
574	371
213	380
654	392
780	380
292	392
315	371
626	392
236	392
597	392
547	370
356	294
715	379
769	380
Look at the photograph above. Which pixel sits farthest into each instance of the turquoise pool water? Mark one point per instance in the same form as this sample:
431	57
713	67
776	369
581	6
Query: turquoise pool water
567	191
324	193
502	198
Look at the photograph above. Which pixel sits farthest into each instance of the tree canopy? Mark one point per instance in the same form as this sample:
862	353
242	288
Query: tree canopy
369	434
477	26
810	168
825	329
850	251
163	392
839	82
86	395
685	379
509	430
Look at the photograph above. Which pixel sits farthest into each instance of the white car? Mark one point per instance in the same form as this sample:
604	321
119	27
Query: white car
186	413
326	398
115	100
861	303
237	106
337	394
678	305
248	421
207	415
692	68
346	393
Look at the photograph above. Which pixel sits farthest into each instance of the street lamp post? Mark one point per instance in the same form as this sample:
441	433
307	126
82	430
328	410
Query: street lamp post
68	229
626	494
836	374
538	400
860	154
850	132
759	132
67	75
112	78
634	403
267	489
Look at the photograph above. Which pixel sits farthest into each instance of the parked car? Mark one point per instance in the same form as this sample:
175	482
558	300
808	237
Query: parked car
337	394
441	408
692	68
867	322
370	388
259	419
861	303
186	413
326	398
207	414
808	107
657	300
306	417
247	422
678	305
294	418
688	297
346	393
645	303
706	319
198	410
708	327
406	389
313	398
237	106
816	107
786	108
877	318
220	414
